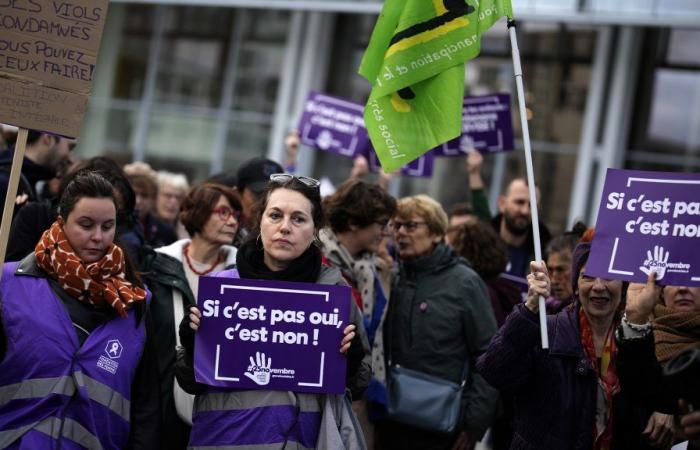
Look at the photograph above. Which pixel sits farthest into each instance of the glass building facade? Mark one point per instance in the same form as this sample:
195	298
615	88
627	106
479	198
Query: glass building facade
199	87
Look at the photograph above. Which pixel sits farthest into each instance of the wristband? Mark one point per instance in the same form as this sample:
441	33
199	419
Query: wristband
633	326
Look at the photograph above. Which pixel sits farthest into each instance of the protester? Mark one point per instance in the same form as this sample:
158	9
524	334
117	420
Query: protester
645	346
439	322
358	213
45	155
76	369
253	176
30	222
155	232
286	226
461	213
568	396
210	213
514	226
480	201
558	256
478	243
172	189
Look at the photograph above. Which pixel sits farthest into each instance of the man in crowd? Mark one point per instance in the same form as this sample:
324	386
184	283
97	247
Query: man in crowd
514	226
45	155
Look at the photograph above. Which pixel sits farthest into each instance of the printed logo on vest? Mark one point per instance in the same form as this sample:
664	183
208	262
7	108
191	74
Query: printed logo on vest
113	349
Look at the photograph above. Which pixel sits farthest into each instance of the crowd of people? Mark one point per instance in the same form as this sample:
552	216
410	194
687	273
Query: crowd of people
104	258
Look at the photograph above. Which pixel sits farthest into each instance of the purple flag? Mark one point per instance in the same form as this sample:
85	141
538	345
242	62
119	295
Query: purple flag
648	221
271	335
334	125
520	282
487	126
420	167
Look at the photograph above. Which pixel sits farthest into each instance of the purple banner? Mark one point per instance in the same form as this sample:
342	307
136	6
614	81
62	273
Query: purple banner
334	125
648	221
271	335
487	125
421	167
520	282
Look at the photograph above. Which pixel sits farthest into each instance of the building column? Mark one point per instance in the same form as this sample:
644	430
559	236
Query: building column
585	162
144	116
618	111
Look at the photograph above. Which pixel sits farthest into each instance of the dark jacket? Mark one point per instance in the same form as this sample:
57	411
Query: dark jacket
157	233
545	237
145	430
28	225
439	321
163	273
641	373
554	391
32	173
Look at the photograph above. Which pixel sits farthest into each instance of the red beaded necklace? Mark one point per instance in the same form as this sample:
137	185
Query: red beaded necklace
186	251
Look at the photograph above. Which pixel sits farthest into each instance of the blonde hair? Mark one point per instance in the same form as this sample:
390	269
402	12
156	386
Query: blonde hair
425	207
174	180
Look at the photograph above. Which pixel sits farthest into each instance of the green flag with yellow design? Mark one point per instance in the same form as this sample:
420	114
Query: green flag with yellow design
415	62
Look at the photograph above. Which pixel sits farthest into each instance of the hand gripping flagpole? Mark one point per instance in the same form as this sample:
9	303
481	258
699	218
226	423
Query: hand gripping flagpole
530	172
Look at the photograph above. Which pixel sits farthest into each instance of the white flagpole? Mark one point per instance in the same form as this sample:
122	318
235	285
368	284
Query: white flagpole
530	171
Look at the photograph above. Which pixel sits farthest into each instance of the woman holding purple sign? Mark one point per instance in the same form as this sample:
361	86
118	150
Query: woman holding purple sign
210	213
282	248
570	396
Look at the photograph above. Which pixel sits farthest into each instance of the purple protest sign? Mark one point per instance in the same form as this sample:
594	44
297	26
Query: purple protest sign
420	167
520	282
333	124
271	335
487	126
648	221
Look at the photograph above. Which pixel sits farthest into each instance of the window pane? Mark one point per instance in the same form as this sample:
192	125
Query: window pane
672	127
683	47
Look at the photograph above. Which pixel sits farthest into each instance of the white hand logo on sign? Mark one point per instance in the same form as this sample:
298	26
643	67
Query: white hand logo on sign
655	263
259	369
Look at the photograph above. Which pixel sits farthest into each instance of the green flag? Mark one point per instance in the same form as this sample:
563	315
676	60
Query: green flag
415	62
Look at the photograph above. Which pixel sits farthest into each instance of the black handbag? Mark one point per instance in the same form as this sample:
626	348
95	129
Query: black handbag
422	400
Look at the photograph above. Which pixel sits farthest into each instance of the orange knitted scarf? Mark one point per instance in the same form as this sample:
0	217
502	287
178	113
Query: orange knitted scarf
100	283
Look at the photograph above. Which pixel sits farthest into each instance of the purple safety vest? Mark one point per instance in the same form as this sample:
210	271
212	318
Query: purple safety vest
54	393
238	419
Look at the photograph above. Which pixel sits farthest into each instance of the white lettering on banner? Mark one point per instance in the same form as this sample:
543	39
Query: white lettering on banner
389	141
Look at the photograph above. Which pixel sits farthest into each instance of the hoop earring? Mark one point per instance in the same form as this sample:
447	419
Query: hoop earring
258	241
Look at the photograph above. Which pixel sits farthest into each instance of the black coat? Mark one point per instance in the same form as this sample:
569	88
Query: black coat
162	274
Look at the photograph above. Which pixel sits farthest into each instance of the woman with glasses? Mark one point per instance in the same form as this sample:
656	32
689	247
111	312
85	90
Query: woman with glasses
569	396
358	214
210	214
282	247
439	321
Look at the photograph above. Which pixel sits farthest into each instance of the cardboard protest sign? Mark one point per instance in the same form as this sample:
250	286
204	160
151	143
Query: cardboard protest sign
271	335
334	125
648	221
487	125
48	51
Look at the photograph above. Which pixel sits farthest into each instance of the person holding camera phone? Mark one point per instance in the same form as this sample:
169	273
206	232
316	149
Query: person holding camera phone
648	345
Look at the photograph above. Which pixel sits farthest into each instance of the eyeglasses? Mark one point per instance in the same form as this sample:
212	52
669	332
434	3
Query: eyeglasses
409	226
225	213
284	177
